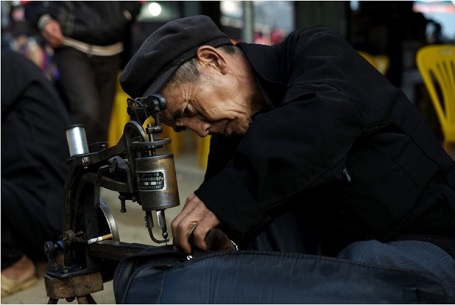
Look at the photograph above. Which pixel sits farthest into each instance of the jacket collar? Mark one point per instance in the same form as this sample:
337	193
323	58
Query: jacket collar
264	63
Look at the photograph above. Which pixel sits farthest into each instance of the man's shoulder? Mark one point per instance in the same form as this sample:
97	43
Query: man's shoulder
314	32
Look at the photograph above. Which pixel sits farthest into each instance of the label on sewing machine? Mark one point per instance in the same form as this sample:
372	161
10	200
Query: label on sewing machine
150	181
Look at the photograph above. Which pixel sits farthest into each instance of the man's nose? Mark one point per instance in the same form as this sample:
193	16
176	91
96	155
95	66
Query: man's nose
201	128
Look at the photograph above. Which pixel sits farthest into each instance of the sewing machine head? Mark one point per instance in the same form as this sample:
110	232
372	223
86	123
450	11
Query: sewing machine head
133	167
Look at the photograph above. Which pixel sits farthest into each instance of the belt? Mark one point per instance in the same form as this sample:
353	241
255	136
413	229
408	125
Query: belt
109	50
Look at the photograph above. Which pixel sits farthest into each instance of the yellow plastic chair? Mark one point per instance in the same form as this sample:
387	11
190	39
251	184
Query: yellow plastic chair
380	62
203	148
436	64
119	116
369	58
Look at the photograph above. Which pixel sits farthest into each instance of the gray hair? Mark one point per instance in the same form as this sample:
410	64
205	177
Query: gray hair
188	71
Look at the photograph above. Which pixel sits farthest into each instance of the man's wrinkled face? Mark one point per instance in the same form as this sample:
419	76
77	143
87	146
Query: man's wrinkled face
215	105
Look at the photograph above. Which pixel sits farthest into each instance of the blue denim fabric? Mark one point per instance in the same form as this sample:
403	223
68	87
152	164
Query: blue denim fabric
405	255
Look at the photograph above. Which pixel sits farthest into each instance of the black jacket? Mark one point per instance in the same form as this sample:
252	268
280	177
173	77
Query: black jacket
340	147
34	146
93	22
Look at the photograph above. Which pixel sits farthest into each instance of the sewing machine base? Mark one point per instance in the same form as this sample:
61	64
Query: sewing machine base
79	287
80	283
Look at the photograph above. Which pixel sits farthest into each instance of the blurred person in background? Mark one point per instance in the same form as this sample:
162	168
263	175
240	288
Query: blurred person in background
17	35
88	40
34	154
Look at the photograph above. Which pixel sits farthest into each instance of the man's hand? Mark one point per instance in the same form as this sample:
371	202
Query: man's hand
53	34
192	224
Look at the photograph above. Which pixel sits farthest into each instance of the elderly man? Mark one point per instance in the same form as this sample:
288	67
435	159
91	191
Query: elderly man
312	150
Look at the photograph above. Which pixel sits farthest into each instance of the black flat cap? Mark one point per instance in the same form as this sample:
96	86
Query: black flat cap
165	50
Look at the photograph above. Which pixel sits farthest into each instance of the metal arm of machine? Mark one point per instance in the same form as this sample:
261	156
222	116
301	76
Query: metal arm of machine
136	170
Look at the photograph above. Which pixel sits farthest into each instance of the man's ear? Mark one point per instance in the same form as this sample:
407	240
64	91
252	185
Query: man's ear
212	57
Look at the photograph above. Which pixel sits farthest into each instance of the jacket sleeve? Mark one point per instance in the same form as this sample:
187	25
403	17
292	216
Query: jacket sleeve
133	7
34	10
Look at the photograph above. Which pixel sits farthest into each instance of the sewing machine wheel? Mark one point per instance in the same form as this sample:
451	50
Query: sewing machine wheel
82	223
95	223
107	222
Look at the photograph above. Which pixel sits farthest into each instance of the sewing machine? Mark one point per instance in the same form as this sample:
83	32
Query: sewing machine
90	244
